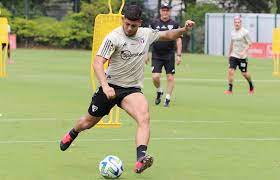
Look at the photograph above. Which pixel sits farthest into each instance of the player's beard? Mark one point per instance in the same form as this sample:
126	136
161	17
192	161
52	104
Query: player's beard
129	34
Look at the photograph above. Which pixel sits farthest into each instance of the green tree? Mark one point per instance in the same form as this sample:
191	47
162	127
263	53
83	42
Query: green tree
278	6
197	13
17	7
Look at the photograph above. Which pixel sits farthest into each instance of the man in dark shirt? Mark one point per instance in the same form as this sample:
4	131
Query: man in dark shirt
163	54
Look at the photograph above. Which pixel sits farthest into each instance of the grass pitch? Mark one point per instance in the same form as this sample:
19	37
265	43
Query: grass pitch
204	135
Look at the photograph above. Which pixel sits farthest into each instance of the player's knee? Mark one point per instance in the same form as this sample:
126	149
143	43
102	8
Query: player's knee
170	78
231	72
156	77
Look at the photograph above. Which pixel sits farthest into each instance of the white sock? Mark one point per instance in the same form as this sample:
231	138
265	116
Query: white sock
168	96
159	89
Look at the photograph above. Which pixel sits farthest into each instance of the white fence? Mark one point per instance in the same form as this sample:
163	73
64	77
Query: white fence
218	27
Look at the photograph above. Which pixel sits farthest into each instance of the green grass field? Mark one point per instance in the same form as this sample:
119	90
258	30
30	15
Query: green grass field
204	135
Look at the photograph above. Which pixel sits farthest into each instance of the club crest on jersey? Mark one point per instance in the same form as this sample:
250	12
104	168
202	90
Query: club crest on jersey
141	40
170	27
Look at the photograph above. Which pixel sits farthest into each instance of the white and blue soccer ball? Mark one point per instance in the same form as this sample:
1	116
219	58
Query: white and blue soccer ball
111	167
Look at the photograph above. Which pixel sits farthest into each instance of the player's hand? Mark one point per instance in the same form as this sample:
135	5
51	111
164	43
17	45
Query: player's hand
147	60
189	24
109	92
179	60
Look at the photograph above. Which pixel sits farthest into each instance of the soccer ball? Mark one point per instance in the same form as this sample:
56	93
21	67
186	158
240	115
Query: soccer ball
111	167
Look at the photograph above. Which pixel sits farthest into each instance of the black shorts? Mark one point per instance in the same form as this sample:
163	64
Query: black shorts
168	61
101	105
241	63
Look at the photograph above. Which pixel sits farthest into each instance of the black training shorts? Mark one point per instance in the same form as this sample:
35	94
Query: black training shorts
167	61
101	105
241	63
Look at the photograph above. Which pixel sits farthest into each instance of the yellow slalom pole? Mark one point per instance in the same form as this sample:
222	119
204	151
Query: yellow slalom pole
5	54
1	60
104	24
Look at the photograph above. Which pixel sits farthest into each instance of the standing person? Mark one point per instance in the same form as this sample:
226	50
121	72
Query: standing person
163	54
238	53
125	48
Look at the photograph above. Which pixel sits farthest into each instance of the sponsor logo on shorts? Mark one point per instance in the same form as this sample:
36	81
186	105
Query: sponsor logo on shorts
94	108
243	64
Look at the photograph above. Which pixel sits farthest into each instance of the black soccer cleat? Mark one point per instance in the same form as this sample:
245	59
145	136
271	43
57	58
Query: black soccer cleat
158	98
166	103
143	163
66	142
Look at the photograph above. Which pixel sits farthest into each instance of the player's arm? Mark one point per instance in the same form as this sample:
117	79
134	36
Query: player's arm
179	51
249	42
104	53
175	33
98	67
179	46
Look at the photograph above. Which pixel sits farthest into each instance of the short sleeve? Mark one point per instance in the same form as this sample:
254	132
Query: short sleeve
153	35
107	47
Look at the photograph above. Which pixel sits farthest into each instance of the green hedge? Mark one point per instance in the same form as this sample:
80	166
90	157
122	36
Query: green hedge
74	31
44	31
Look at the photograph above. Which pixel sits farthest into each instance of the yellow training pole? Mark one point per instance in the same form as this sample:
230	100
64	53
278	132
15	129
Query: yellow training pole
104	24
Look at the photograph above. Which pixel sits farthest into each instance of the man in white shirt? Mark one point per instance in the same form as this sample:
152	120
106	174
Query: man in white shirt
125	49
238	53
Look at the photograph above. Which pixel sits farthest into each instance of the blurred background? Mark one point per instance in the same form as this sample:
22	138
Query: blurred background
68	23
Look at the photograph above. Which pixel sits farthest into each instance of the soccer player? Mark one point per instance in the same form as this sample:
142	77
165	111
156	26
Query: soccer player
163	54
238	52
125	48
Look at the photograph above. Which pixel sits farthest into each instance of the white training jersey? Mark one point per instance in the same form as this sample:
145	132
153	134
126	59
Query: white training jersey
126	55
240	40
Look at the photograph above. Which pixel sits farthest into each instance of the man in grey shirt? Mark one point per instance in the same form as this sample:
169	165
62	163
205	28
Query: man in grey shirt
125	49
238	52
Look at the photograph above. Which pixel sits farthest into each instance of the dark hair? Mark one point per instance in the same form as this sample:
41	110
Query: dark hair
133	12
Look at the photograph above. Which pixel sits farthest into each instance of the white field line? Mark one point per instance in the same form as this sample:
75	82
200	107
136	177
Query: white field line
219	80
7	120
152	139
26	119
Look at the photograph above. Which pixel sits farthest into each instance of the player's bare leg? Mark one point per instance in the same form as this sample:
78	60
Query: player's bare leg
137	107
156	82
85	122
170	87
230	80
247	76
